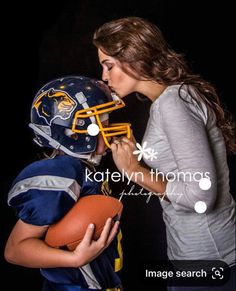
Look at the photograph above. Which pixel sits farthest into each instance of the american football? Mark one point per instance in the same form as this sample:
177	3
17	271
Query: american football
70	230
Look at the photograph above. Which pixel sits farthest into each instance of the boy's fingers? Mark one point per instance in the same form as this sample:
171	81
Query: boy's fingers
113	232
88	237
105	232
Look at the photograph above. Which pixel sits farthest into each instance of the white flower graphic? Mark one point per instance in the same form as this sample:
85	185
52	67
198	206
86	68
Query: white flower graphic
147	153
152	155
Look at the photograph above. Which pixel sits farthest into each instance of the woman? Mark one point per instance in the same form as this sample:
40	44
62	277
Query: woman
185	144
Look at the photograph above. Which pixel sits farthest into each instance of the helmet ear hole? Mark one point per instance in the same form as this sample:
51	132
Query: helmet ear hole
71	134
75	136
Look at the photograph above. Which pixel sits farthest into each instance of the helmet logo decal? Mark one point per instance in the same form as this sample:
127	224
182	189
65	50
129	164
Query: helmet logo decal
54	103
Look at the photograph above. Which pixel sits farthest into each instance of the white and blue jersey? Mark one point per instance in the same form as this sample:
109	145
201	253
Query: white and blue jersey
42	194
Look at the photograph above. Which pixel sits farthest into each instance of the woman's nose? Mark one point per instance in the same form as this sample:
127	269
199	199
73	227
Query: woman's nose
104	76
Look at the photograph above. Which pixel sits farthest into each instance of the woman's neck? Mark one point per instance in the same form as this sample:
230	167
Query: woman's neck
152	90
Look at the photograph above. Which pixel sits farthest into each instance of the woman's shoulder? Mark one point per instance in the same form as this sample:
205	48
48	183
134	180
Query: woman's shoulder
182	98
170	93
169	97
173	92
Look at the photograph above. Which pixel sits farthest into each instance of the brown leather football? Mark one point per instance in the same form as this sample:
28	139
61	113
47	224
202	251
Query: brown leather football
70	230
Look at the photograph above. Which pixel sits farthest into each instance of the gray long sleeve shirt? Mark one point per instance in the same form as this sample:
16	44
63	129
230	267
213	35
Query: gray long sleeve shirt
191	147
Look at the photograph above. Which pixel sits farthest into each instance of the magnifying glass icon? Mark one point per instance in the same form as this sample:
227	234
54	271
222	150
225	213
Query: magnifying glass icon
217	273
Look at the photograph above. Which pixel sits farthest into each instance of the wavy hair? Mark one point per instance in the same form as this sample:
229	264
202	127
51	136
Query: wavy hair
138	43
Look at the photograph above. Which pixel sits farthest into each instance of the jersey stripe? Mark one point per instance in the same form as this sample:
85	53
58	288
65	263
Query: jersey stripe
90	277
51	183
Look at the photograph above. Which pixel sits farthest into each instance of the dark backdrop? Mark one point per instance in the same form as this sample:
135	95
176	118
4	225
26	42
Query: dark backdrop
44	40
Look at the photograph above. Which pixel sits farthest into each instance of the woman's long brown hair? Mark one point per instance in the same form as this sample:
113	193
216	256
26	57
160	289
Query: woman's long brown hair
140	44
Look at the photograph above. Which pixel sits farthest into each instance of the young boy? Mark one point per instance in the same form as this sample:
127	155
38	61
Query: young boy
69	116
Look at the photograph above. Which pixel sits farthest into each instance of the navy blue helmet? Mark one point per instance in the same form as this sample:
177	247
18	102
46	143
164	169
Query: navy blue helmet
63	110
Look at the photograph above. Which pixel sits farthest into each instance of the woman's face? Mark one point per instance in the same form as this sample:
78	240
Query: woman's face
118	81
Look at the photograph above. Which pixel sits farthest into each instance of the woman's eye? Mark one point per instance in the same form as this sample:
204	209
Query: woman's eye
109	66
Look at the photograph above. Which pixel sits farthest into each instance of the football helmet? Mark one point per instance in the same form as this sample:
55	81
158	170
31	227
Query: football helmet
64	109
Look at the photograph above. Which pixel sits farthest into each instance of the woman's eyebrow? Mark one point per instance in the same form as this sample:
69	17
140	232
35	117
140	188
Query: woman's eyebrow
104	61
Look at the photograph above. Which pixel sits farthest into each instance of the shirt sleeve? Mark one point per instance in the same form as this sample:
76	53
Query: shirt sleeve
186	132
39	201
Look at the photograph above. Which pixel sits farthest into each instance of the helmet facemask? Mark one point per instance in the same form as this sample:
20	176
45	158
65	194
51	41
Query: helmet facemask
109	131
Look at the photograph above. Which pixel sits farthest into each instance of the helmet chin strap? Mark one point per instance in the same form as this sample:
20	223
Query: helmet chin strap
91	157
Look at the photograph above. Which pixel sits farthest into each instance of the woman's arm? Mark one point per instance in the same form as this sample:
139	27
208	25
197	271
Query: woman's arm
26	248
184	124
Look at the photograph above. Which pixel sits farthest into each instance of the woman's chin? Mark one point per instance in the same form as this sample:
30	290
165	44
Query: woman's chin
120	95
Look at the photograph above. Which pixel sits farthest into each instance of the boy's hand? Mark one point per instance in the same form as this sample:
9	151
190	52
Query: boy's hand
89	249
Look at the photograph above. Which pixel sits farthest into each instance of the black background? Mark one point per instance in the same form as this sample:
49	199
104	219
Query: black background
44	40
